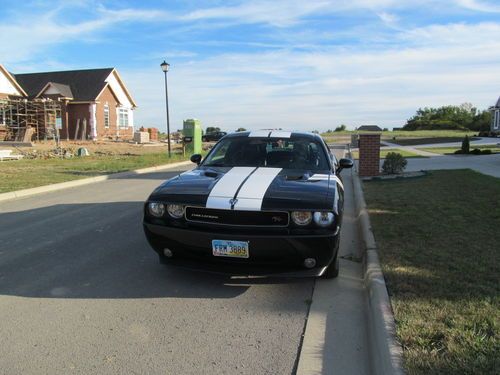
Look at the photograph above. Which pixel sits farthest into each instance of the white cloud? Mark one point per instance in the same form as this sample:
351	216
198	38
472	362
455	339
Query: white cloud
34	33
480	6
276	13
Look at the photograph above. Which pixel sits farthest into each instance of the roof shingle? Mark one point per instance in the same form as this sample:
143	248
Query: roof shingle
85	85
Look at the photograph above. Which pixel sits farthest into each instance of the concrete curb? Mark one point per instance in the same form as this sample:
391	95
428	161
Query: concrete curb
85	181
386	352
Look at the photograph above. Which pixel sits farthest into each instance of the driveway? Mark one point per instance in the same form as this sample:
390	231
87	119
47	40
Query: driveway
486	164
418	149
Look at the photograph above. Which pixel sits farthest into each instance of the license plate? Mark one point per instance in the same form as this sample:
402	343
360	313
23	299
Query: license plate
234	249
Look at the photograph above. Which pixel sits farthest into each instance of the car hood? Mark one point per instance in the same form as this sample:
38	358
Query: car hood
250	188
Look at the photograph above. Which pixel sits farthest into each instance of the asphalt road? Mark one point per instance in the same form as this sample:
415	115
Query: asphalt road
81	292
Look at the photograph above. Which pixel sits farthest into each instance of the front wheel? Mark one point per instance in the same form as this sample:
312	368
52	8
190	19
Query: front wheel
203	139
332	271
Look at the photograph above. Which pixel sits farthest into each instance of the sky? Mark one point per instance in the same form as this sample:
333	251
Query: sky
298	65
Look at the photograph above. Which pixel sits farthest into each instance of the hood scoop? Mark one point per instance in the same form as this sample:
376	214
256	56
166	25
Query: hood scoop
211	174
297	177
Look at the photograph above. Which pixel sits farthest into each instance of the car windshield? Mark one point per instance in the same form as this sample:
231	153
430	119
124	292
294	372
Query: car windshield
291	153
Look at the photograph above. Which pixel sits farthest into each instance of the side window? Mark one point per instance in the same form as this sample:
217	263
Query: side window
106	116
123	117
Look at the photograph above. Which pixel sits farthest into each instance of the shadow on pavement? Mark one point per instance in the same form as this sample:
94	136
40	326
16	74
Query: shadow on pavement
98	250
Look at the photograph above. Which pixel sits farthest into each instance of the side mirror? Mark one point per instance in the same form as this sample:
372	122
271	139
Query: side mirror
196	158
345	164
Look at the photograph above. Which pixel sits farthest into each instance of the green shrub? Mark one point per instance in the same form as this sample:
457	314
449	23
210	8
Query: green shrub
476	151
394	163
466	145
458	152
486	152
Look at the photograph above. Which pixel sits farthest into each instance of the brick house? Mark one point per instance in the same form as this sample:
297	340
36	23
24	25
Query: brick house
95	103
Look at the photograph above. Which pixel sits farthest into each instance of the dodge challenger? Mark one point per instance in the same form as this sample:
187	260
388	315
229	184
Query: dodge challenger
261	202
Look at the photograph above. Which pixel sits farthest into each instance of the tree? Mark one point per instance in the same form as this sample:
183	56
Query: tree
340	128
241	130
481	121
446	117
212	129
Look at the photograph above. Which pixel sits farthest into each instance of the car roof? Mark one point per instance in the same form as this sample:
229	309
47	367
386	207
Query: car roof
271	133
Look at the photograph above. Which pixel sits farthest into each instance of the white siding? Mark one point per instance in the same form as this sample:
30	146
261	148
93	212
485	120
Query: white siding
118	91
93	121
6	86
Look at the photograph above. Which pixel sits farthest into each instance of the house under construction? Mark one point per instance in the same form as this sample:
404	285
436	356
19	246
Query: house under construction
25	120
85	104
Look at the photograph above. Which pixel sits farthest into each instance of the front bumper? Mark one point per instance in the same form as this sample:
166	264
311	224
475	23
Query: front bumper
269	253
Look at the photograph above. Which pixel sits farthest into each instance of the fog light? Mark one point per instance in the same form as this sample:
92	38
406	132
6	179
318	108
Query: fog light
323	219
309	262
168	253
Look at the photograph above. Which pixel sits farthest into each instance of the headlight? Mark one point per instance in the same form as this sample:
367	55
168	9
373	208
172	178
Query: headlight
156	209
323	219
301	217
175	210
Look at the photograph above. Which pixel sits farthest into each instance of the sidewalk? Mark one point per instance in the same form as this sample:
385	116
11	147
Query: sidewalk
336	336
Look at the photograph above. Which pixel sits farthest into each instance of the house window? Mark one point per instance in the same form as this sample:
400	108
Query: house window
106	116
123	117
497	119
2	117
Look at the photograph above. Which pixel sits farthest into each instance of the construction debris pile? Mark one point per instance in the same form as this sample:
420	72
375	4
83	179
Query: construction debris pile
26	120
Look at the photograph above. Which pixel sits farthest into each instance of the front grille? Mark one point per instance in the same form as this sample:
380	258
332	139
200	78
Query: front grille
235	217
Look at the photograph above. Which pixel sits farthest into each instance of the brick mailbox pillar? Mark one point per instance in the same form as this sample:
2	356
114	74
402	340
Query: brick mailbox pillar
369	154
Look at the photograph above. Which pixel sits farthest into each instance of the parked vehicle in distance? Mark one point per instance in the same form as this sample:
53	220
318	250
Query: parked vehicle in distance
260	203
213	137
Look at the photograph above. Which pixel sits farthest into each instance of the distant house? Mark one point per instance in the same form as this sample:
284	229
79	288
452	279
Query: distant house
369	128
495	117
92	104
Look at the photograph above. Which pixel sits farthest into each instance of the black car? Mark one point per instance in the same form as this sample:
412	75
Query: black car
260	203
213	137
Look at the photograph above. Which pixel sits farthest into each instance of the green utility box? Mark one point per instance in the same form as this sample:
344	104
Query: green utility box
192	136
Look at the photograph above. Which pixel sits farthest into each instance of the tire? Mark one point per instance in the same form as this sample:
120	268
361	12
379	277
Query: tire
332	270
203	139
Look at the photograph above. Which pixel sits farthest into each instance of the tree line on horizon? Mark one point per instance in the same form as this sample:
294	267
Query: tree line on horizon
450	117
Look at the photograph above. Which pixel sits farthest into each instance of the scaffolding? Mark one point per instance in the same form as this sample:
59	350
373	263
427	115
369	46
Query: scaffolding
26	120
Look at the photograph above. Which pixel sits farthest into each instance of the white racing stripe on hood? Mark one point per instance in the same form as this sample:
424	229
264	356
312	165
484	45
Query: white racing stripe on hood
225	189
252	193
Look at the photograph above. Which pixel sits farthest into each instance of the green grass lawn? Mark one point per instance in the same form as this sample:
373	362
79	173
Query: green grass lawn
384	152
451	150
438	238
28	173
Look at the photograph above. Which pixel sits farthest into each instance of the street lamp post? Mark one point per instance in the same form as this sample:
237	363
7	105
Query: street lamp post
164	66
